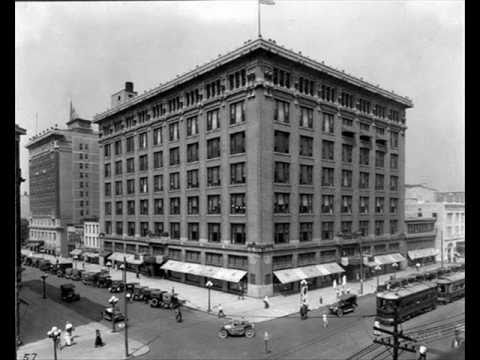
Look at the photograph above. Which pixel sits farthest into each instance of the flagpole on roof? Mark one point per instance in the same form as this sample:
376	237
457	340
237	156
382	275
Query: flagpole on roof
259	29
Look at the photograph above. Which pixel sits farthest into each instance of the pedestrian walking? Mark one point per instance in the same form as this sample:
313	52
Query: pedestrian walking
221	314
178	315
266	339
137	273
422	352
266	302
321	300
325	320
98	339
457	340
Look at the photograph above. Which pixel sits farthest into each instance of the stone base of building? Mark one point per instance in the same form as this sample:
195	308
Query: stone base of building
260	291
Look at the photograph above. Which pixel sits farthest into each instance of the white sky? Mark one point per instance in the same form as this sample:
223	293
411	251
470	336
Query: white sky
86	51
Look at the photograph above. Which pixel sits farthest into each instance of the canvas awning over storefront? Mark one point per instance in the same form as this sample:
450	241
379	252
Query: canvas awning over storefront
214	272
26	252
286	276
90	254
389	259
422	253
116	256
76	252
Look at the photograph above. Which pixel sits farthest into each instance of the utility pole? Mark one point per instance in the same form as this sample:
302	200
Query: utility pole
125	302
361	265
441	248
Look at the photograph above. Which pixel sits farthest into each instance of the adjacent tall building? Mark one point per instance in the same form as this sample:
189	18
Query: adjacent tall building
63	169
256	170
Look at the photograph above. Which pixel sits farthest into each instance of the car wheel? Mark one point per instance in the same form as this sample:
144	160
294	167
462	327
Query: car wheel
250	333
339	313
222	334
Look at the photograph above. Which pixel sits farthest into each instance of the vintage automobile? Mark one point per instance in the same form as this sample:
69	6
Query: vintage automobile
89	278
67	292
129	287
68	273
61	268
237	328
346	303
111	315
117	286
104	281
156	298
44	265
76	275
147	294
139	292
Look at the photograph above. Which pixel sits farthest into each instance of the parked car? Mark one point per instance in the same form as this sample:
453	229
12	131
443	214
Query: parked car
89	278
68	273
117	286
129	287
156	298
237	328
346	303
147	294
67	293
44	265
139	292
111	315
104	281
77	274
61	268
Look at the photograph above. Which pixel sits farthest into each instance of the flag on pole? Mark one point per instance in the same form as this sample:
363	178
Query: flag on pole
73	113
263	2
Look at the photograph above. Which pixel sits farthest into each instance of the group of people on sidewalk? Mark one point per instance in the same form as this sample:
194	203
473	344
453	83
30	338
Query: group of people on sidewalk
68	337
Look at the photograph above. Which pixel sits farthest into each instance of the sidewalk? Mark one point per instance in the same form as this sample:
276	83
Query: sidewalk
251	308
41	314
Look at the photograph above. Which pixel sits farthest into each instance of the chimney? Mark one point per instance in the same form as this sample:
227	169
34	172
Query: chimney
129	86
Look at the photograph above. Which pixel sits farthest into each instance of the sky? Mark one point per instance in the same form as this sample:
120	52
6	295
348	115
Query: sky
84	52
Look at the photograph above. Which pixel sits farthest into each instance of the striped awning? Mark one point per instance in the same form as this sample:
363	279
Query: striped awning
307	272
389	259
214	272
422	253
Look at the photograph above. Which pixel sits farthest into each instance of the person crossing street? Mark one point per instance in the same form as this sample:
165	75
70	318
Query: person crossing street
325	320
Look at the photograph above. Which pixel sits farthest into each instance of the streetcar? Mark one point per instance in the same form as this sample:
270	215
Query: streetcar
451	287
407	301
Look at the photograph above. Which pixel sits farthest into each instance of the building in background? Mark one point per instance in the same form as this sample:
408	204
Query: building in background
449	211
91	242
256	170
63	171
25	205
18	264
421	241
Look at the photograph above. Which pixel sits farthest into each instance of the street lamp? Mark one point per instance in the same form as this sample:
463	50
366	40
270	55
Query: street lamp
209	285
113	301
124	276
44	277
75	258
54	334
377	270
395	266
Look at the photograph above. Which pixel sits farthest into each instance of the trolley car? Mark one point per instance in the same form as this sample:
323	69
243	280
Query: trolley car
451	287
405	301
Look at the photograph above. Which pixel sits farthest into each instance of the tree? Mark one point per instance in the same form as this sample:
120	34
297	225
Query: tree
24	231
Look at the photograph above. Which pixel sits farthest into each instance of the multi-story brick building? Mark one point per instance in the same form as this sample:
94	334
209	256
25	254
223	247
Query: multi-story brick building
262	161
63	182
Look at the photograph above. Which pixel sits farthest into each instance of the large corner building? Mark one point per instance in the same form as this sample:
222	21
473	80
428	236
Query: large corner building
256	170
63	168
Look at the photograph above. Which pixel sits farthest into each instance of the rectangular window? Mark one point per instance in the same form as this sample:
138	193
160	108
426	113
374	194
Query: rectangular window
237	173
158	228
306	175
213	121
393	183
144	231
130	144
237	204
214	234
347	151
282	111
238	235
364	180
282	140
131	207
193	235
346	178
327	204
282	233
327	123
157	136
118	208
379	182
237	112
107	150
346	227
175	206
158	206
108	208
306	117
174	181
108	170
142	141
393	226
237	262
346	204
393	205
118	147
143	162
192	179
281	203
173	131
213	148
327	93
363	204
174	156
158	183
192	152
237	143
144	207
213	204
282	172
118	188
174	231
379	227
281	262
130	165
143	185
118	167
119	228
131	228
158	159
193	205
213	176
363	227
364	156
306	232
379	205
379	159
192	126
346	99
328	177
327	230
394	161
306	204
327	150
306	146
394	139
108	227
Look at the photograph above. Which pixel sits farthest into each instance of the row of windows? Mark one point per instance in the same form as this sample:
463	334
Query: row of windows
238	231
420	228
